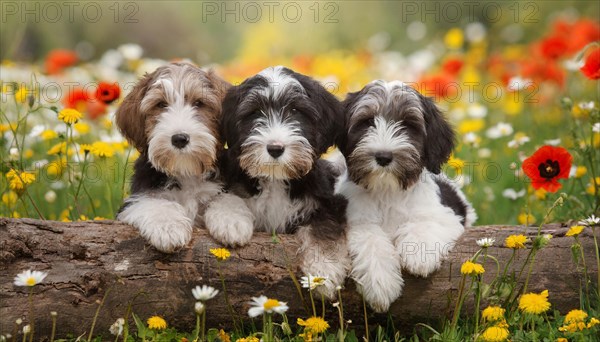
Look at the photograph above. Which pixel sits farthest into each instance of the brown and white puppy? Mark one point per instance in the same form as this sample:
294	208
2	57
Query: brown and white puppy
172	118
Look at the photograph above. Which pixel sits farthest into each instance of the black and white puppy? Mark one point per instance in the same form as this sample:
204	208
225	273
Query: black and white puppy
401	212
172	117
276	125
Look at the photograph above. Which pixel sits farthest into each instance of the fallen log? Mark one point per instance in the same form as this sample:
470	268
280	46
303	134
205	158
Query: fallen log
89	261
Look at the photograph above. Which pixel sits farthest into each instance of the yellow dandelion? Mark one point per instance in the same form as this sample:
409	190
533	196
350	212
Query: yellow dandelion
493	313
69	116
15	214
107	123
57	167
471	268
22	94
248	339
221	254
10	198
576	316
99	218
591	187
562	339
593	322
28	153
48	134
574	231
454	39
534	303
315	325
102	149
82	128
472	125
157	322
573	327
456	163
515	241
60	148
525	218
223	336
19	180
580	171
495	334
540	194
85	148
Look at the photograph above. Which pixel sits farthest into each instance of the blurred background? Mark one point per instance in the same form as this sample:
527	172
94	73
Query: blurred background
508	74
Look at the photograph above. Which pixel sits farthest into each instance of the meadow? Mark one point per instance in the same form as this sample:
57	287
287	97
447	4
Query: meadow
63	158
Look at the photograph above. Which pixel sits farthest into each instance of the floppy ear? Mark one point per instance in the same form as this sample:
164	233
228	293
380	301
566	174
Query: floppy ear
129	119
440	139
231	102
220	85
342	138
330	109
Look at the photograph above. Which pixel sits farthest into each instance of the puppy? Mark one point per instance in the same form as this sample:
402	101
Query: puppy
276	125
401	212
172	118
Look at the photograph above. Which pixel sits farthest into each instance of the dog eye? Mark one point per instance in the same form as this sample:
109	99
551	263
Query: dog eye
162	104
198	104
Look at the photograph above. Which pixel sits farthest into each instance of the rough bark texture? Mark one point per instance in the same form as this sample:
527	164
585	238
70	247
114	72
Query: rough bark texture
87	261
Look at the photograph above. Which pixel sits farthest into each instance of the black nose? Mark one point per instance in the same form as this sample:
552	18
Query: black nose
180	140
383	158
275	150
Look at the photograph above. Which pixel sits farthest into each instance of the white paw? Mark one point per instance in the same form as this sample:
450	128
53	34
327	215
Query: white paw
163	223
229	220
380	288
329	259
421	256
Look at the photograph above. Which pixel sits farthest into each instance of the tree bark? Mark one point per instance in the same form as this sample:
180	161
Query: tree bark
89	261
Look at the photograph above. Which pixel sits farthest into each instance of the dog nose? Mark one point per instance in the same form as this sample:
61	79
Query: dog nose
180	140
275	150
383	158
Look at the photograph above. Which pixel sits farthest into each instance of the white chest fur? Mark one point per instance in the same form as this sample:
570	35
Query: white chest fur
274	210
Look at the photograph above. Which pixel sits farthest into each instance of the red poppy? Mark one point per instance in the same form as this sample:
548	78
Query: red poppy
591	68
59	59
452	66
108	92
84	102
554	47
546	166
440	85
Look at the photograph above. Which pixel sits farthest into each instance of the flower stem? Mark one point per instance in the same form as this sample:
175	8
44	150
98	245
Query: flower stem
96	315
54	328
31	318
530	270
585	271
312	302
229	307
366	319
459	302
477	302
597	258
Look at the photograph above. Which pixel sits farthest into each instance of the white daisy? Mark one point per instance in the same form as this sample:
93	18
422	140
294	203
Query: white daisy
311	282
29	278
519	83
596	127
513	194
117	327
502	129
199	307
590	221
486	242
262	304
204	293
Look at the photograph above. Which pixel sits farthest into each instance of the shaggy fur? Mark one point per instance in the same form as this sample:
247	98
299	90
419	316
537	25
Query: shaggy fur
401	212
277	124
172	117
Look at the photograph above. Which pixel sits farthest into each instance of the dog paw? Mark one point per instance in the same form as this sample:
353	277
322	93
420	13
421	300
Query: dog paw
229	220
163	223
380	289
168	235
